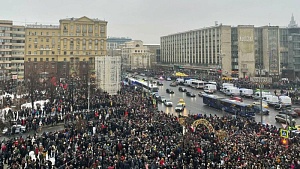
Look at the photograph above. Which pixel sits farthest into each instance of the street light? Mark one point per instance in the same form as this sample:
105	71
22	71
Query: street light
221	65
260	90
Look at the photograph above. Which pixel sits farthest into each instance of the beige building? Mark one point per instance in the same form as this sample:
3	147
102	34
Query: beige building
136	55
154	49
67	49
12	39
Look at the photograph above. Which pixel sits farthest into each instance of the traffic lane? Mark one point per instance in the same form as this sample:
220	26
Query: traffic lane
195	105
31	132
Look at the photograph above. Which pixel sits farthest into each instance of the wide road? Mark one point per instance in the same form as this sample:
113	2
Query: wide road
195	105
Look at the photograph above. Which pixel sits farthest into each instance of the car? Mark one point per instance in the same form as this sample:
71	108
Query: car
14	129
182	89
179	108
297	110
258	110
169	79
190	94
201	94
265	105
158	83
169	91
168	103
289	113
161	99
239	99
281	118
173	84
181	101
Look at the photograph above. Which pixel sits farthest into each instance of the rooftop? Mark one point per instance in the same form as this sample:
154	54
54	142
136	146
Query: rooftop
43	26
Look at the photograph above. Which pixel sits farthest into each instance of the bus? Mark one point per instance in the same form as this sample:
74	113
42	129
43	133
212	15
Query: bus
147	86
197	84
230	106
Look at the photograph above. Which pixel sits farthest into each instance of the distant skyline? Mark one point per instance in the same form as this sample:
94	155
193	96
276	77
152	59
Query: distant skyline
148	20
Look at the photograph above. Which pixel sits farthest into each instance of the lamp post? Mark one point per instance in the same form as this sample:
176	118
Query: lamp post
221	65
260	90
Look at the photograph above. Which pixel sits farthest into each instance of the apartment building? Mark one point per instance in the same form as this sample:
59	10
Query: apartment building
12	40
136	55
239	51
64	50
115	42
290	50
108	73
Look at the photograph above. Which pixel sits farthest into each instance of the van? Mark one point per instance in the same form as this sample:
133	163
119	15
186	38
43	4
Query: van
180	80
233	91
256	95
271	100
246	92
188	82
285	100
225	86
210	88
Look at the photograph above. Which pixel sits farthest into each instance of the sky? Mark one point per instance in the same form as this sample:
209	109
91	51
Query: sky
148	20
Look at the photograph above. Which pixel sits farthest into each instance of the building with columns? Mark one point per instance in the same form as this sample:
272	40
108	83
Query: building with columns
65	50
136	55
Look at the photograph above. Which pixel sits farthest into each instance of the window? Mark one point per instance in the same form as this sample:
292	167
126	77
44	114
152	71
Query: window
35	46
29	46
96	41
53	33
35	59
65	59
53	66
42	40
53	60
29	52
90	41
53	53
41	52
90	28
29	39
47	39
65	53
41	59
29	59
83	41
84	28
47	59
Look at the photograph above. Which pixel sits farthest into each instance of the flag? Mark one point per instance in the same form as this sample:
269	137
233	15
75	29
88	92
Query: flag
53	80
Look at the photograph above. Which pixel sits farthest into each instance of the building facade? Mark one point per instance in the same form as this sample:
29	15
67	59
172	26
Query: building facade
108	73
290	50
235	51
115	42
154	50
135	55
12	41
64	50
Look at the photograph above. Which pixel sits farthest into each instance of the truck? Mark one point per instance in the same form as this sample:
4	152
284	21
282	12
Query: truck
225	86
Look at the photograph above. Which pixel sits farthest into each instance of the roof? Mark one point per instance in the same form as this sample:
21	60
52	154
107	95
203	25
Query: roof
84	17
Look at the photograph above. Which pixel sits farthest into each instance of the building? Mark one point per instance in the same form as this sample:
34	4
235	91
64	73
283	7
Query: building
290	50
135	55
64	50
154	49
12	40
237	51
115	42
108	73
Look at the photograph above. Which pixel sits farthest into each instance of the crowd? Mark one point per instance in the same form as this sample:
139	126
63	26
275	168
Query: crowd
125	131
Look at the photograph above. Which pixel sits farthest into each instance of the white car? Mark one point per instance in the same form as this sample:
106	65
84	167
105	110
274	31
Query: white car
169	79
168	103
179	108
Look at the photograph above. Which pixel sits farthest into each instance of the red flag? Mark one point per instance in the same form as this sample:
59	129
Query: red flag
53	81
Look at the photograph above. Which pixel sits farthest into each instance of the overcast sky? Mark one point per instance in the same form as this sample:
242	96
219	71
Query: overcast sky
147	20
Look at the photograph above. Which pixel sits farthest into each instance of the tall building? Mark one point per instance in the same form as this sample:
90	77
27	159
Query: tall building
290	50
234	50
136	55
115	42
64	50
108	73
12	39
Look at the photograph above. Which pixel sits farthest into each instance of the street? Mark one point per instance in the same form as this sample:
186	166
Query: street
195	105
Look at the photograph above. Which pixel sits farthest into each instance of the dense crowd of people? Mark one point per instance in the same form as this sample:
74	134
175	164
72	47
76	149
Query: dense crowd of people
125	131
